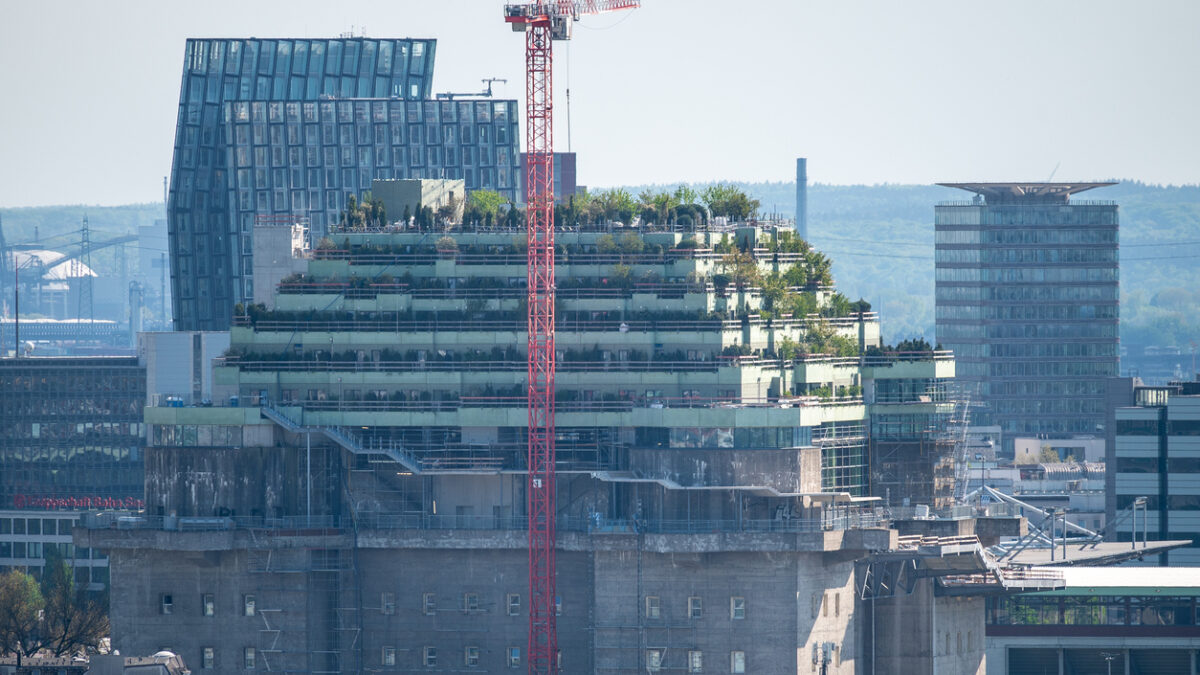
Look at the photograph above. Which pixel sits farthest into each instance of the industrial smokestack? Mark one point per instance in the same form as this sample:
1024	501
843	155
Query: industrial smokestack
802	197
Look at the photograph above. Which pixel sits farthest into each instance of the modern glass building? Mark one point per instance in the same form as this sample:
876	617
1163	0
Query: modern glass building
1027	293
71	438
72	432
291	127
1157	453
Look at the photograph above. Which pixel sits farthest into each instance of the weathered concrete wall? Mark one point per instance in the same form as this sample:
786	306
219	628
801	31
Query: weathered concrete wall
142	578
243	481
793	592
786	470
924	633
491	576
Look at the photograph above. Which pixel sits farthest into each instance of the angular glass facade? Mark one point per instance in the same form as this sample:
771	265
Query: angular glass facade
1027	298
291	127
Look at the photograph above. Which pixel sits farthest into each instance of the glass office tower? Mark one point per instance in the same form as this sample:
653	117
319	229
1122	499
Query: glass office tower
291	127
1027	297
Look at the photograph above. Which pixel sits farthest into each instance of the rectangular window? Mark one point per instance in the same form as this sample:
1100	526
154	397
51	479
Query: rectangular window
248	605
208	658
514	657
695	662
388	658
653	660
737	662
429	658
695	607
653	608
470	602
208	604
429	604
513	601
737	607
558	605
248	658
387	603
167	604
471	656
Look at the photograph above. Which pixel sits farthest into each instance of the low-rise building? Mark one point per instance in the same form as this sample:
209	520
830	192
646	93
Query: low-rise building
1157	451
1105	619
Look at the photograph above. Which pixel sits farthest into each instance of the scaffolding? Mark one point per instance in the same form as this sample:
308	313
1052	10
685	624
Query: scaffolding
308	607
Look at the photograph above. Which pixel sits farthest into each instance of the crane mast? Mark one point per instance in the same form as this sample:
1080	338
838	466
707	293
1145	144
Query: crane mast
543	22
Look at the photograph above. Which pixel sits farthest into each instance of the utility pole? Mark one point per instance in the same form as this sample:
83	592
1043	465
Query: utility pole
83	269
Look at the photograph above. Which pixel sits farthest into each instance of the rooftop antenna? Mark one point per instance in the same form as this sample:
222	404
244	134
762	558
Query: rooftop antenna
1051	178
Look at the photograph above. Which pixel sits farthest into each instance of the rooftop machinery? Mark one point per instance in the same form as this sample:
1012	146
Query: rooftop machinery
543	22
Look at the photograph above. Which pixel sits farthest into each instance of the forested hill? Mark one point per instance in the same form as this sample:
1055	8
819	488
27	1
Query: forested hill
881	240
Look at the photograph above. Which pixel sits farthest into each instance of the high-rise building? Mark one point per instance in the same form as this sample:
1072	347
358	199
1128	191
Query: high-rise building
1027	299
291	127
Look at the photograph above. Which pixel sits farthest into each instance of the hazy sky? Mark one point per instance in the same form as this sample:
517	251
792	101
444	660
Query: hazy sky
870	91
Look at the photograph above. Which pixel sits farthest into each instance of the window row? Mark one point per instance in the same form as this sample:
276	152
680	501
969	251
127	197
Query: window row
471	656
1026	255
657	660
1039	235
208	605
695	607
1028	275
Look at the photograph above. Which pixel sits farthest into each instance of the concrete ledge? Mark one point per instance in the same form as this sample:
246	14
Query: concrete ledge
710	542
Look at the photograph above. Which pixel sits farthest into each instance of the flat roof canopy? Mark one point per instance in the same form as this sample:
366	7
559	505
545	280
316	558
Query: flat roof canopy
1025	193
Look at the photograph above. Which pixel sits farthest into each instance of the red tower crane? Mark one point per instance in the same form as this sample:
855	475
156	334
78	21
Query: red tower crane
543	22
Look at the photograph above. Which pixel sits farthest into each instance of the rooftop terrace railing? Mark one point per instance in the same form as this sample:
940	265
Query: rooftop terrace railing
319	365
838	519
610	227
521	402
519	259
518	326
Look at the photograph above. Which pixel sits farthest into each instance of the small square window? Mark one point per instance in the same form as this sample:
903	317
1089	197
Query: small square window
737	607
208	604
470	602
387	603
695	607
471	656
248	657
388	658
653	660
695	662
514	657
429	604
248	605
653	608
167	604
737	662
514	604
208	658
430	656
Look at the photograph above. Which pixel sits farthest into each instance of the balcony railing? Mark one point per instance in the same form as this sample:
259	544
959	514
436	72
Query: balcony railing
471	402
837	519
